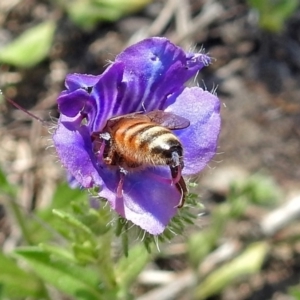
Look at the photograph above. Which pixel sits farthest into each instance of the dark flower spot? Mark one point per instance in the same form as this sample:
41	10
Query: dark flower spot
155	57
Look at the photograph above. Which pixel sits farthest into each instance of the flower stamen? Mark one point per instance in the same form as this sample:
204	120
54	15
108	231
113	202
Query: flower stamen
123	173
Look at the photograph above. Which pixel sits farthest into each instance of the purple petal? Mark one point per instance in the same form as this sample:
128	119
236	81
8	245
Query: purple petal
74	148
199	140
71	104
78	81
107	94
154	69
73	183
148	200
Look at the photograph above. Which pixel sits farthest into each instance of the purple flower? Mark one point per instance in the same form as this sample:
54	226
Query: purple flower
147	76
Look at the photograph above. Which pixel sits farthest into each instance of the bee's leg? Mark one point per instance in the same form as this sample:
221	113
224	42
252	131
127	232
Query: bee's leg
105	152
179	183
181	187
101	143
103	148
176	172
123	173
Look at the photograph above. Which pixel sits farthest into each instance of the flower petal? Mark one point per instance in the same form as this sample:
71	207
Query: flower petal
108	93
149	201
199	140
71	104
74	148
78	81
154	69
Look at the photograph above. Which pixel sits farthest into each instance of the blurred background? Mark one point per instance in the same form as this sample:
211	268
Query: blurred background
245	244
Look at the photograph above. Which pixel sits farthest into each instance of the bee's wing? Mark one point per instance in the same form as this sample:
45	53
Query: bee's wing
168	120
134	115
137	114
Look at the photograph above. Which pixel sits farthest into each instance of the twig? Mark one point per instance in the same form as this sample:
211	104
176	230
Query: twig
225	252
182	281
282	216
183	21
158	24
151	277
210	13
163	18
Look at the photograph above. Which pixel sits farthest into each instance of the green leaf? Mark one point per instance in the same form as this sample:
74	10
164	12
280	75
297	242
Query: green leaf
295	292
31	47
123	7
44	225
87	13
62	198
249	262
64	195
200	244
74	222
16	283
128	268
80	282
58	251
274	13
5	186
85	253
96	220
2	101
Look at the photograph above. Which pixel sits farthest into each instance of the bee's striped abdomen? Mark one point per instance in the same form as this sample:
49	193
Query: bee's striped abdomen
142	141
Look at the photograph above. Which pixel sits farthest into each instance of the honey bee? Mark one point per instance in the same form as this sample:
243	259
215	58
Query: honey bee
138	140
